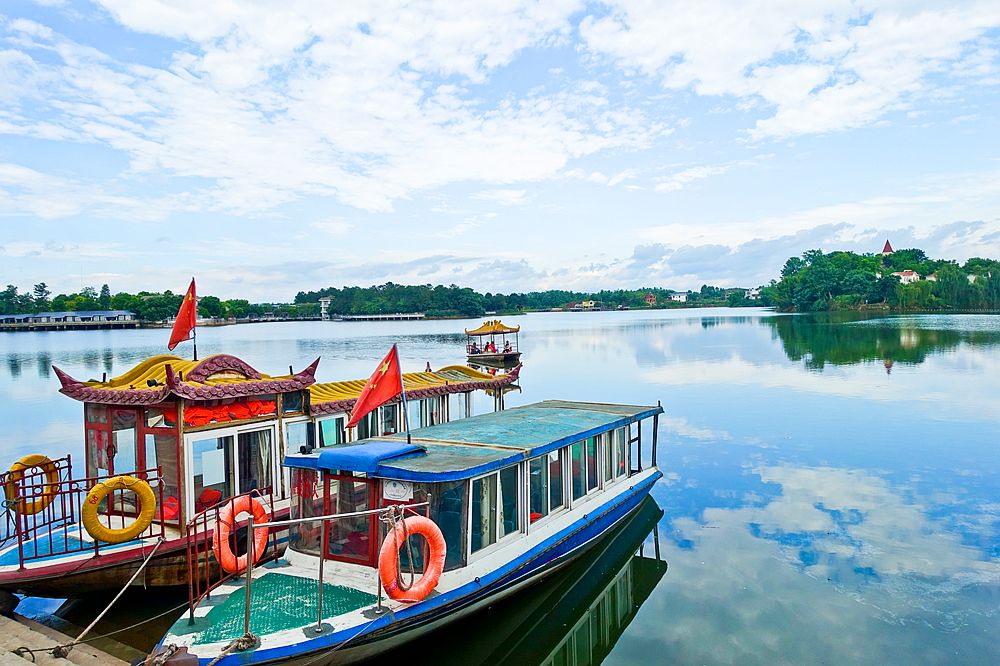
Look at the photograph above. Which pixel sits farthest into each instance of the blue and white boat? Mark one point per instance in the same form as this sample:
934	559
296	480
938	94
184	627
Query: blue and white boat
513	496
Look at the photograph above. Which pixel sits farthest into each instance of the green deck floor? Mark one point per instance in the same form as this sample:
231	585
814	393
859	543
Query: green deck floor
277	602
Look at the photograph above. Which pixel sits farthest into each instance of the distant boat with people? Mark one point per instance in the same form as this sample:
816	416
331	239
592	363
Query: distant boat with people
493	344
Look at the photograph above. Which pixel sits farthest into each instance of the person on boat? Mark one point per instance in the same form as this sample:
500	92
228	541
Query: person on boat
474	349
491	347
507	348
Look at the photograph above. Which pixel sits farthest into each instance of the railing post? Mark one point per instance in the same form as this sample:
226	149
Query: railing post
322	559
656	430
249	574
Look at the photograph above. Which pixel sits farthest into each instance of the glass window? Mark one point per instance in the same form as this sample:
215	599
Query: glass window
213	476
297	436
331	431
123	453
592	463
509	514
161	451
307	502
368	425
388	414
161	416
291	402
255	460
349	538
556	487
578	471
538	488
621	460
484	512
608	457
446	510
96	413
98	463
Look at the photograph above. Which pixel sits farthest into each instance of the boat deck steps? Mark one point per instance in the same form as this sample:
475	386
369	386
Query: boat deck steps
20	632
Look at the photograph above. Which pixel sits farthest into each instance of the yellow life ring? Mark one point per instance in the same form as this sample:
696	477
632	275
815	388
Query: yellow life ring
26	507
97	529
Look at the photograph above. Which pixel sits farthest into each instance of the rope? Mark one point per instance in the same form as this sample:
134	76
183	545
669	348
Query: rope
393	517
245	642
167	653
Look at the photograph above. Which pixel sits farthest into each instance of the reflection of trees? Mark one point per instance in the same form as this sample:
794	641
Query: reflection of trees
823	339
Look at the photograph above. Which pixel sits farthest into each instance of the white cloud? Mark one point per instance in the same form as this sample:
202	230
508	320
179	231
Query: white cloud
844	66
502	197
333	227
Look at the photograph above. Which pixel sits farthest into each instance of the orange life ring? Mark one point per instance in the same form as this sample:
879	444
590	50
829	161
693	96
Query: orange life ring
227	521
388	559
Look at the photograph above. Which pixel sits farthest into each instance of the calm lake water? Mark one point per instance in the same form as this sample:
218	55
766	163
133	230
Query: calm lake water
831	491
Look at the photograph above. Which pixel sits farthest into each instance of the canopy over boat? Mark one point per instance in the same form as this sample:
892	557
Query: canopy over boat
494	327
158	378
479	444
335	397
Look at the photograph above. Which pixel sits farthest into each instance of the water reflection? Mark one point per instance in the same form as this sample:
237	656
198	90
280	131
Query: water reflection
574	617
848	339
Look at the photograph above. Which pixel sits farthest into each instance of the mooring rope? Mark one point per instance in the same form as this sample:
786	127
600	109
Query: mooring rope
244	642
392	517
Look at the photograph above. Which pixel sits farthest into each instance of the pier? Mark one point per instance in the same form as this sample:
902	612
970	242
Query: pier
382	317
19	635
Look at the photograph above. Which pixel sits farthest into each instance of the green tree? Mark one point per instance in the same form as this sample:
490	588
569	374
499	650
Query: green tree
104	299
40	295
210	306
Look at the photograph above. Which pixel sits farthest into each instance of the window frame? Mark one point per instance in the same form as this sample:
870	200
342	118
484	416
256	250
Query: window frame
566	493
277	470
501	539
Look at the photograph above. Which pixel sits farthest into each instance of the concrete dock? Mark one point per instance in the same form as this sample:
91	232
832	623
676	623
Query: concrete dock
20	632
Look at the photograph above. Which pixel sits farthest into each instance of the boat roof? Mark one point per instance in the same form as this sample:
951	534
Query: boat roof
493	327
476	445
159	377
339	397
224	376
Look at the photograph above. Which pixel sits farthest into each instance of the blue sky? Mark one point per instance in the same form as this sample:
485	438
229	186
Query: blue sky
268	148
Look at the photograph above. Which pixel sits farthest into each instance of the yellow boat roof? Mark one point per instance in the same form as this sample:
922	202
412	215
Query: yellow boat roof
492	328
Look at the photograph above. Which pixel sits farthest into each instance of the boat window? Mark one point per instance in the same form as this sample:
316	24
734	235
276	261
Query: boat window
349	538
213	477
578	470
98	463
255	460
331	431
96	413
123	454
298	435
484	512
307	502
161	451
161	416
446	510
557	490
368	425
592	463
291	402
388	414
538	488
608	458
509	514
621	461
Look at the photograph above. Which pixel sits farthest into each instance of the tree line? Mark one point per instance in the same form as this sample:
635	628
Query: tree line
846	280
388	298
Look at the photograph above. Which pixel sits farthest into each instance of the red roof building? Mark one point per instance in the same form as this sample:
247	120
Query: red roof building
887	250
650	299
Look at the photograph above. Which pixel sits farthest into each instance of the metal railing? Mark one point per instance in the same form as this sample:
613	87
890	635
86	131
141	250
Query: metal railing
56	528
325	521
205	573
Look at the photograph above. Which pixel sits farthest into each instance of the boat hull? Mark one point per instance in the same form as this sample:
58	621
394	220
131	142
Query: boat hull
387	632
500	360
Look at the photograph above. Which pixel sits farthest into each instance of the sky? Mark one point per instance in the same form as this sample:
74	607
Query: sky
267	148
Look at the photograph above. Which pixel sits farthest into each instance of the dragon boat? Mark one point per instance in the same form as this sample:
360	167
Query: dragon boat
172	447
481	345
480	508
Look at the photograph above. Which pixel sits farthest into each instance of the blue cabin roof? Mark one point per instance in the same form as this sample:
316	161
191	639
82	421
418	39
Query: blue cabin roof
475	445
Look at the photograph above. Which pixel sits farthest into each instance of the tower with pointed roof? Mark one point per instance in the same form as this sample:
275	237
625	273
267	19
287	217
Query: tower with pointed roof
887	250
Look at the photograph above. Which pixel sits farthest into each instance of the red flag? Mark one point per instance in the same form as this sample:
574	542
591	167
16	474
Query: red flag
384	384
186	317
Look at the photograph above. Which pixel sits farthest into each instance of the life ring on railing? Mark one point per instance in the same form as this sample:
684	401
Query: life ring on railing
25	507
100	531
388	559
224	527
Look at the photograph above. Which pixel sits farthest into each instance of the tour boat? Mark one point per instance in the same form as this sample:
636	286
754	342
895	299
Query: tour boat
481	345
500	499
167	445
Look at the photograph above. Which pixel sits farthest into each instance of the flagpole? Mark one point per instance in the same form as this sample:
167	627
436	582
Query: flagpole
194	337
402	392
